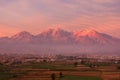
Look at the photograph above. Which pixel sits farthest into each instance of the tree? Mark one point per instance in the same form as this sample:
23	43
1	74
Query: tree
61	75
118	67
53	76
92	66
75	64
83	62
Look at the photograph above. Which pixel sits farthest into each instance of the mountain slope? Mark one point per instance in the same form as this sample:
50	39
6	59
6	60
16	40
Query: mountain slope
93	37
54	36
60	41
23	36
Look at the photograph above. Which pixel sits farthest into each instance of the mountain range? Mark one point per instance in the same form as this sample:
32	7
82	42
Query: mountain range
59	41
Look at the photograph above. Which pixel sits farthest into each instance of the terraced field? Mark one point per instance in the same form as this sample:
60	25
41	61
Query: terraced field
44	71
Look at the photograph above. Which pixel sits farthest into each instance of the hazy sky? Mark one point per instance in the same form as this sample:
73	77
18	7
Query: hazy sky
37	15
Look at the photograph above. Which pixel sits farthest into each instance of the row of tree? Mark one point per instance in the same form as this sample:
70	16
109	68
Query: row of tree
53	76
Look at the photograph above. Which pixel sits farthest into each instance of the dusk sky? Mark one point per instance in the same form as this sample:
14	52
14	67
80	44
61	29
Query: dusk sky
37	15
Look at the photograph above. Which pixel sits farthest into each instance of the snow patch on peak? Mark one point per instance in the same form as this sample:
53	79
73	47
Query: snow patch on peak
55	32
24	36
23	33
87	32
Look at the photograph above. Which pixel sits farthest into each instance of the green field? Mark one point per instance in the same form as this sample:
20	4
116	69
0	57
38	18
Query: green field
80	78
43	71
5	76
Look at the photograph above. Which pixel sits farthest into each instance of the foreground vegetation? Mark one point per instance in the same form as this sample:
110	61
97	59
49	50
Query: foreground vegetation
68	70
80	78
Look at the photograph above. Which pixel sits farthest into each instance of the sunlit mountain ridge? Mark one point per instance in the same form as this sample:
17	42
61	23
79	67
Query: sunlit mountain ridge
60	41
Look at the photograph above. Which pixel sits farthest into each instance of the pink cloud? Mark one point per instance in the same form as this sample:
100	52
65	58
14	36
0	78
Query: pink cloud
37	15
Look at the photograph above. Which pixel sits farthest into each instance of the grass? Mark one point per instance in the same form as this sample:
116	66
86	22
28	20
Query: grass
80	78
33	68
51	66
5	73
5	76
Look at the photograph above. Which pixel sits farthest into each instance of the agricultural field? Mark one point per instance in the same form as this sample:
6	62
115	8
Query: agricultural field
61	71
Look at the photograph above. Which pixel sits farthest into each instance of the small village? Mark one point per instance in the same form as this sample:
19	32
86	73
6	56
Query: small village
27	58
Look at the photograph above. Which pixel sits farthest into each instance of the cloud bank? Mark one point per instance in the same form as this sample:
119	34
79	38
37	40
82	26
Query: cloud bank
36	15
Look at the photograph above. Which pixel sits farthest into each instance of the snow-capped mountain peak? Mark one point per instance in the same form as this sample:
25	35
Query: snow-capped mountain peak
57	32
60	40
24	36
92	36
86	33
